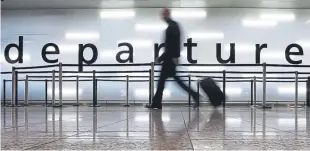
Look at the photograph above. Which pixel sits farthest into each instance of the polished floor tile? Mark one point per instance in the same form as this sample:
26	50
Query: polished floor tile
112	127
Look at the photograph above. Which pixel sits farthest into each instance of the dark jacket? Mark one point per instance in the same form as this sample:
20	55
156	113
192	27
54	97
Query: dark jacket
172	42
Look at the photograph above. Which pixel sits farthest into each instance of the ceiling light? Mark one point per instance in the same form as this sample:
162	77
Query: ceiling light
207	35
278	16
259	23
150	27
138	43
118	3
188	3
117	14
82	36
192	14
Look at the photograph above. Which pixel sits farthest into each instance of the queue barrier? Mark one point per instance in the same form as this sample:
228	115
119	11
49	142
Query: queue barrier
151	72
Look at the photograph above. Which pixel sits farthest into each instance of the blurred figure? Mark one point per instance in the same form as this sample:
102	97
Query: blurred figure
170	60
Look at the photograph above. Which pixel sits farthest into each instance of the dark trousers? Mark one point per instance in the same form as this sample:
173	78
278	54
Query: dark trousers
169	70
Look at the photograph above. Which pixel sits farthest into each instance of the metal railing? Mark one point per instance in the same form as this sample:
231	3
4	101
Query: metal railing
224	79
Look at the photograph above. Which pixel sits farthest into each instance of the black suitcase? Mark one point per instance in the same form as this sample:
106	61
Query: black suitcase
214	92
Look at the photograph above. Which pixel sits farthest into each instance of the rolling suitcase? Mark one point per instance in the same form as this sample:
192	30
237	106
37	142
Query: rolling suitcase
215	94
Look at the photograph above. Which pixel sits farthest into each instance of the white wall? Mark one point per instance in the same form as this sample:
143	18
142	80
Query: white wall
43	26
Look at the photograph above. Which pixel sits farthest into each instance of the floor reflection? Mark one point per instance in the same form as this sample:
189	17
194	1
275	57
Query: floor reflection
173	128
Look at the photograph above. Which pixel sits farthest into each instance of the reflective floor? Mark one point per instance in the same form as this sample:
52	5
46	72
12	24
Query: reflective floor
137	128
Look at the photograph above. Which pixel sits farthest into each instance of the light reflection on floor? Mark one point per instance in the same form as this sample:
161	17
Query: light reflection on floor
137	128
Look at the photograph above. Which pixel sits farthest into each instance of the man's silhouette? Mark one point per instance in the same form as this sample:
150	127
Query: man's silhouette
170	60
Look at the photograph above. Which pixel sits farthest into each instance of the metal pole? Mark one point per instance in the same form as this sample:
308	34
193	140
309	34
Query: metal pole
60	84
13	88
224	87
97	93
16	88
4	93
189	85
46	117
308	122
127	91
46	93
77	121
26	91
150	87
254	90
94	90
296	122
53	88
308	92
152	79
251	92
198	89
77	91
296	89
264	85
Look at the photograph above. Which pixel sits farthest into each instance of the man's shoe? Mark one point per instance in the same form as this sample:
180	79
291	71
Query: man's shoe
153	106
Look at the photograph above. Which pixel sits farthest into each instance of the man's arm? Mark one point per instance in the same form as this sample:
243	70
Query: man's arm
161	57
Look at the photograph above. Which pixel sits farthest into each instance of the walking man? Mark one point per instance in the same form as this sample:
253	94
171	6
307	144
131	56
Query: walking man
170	61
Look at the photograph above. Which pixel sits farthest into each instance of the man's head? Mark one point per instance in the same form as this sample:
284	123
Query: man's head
165	14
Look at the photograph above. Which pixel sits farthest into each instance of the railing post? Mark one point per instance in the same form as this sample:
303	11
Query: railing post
13	88
77	92
296	89
60	84
265	86
252	92
152	79
53	88
4	93
198	89
46	93
26	91
308	92
189	85
16	89
150	87
224	87
127	91
94	90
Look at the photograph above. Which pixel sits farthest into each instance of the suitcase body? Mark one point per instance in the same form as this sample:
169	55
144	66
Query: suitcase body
214	92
